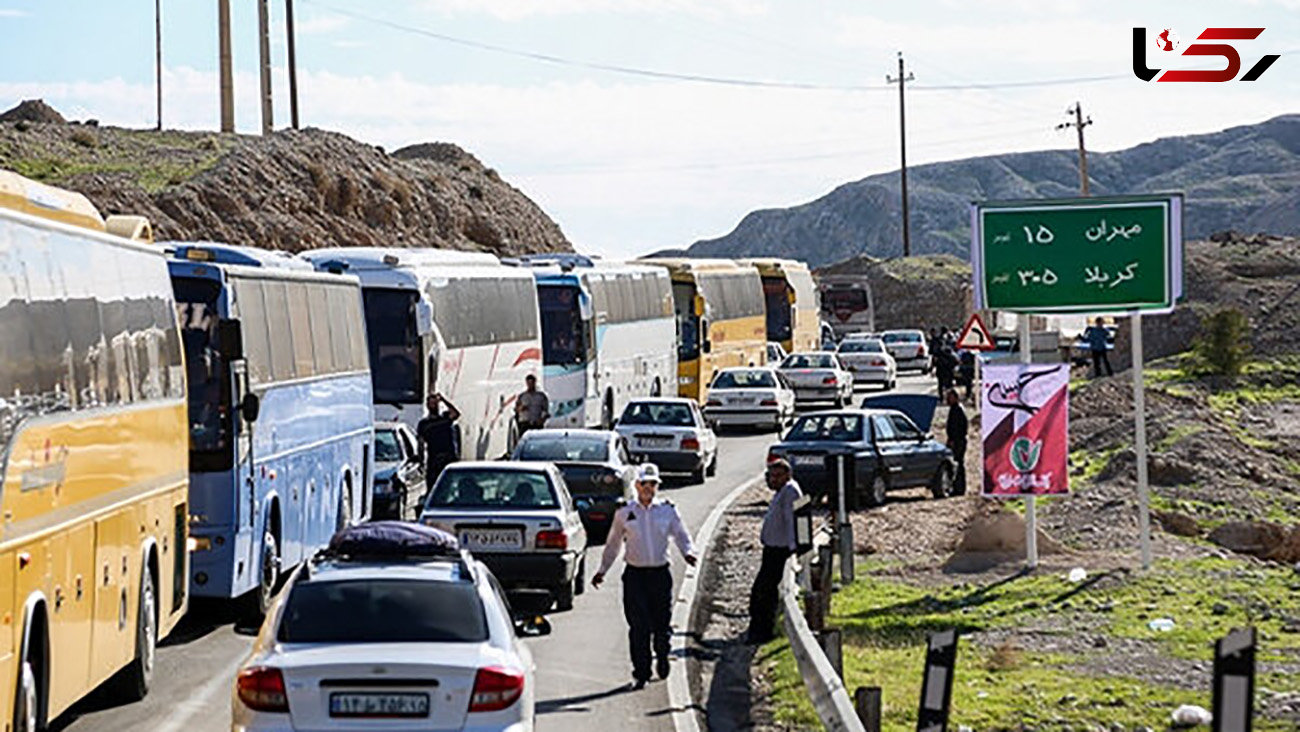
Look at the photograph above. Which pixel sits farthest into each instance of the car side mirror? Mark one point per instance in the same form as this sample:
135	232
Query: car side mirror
250	407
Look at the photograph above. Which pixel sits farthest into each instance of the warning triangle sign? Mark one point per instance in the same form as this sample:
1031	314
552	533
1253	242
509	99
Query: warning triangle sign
975	336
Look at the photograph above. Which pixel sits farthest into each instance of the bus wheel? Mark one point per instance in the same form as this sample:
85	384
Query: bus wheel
259	600
27	702
344	517
136	677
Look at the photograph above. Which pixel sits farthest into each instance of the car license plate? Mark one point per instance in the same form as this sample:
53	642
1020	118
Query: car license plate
656	440
491	539
809	460
379	705
741	400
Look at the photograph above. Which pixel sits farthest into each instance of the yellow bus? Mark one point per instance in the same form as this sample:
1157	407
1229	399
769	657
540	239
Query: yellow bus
93	454
720	319
793	304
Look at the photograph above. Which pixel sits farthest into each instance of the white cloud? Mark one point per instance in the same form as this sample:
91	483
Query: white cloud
13	13
320	24
519	9
349	44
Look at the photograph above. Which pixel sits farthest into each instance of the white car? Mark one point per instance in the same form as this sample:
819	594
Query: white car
909	349
396	638
519	519
672	433
775	352
750	397
818	377
869	362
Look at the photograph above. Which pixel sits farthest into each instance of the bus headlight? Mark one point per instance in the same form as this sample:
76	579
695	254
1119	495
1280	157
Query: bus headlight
685	379
198	544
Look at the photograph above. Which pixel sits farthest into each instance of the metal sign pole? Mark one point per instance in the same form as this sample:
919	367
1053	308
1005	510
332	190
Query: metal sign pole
1140	423
1031	513
843	530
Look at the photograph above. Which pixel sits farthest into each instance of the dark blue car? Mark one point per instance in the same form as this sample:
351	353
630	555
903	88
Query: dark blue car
884	451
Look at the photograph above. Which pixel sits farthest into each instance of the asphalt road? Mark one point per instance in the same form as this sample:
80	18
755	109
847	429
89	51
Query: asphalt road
582	668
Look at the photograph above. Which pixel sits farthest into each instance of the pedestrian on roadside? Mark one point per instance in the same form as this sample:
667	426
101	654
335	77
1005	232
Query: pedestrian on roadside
945	367
778	539
957	426
932	342
644	526
439	438
1099	343
966	371
532	406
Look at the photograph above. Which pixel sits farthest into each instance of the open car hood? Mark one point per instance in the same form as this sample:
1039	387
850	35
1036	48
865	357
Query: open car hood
918	407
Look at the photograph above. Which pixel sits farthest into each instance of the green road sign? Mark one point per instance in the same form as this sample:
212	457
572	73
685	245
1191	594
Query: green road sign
1078	254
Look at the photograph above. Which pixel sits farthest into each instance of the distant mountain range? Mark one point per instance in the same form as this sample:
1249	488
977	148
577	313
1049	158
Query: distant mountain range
1244	178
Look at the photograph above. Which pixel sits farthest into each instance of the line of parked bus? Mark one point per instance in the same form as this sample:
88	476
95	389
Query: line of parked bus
194	419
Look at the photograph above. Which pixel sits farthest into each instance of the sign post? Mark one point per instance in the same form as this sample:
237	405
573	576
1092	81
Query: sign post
1234	681
1031	502
1119	254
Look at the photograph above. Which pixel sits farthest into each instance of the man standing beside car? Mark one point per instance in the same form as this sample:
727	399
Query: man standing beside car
778	539
956	427
531	406
645	526
437	433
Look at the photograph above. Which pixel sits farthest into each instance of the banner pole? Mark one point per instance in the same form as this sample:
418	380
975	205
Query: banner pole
1031	513
1140	425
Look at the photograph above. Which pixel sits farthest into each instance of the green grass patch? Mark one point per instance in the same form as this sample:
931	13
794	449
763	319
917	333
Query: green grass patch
1178	434
1089	463
791	706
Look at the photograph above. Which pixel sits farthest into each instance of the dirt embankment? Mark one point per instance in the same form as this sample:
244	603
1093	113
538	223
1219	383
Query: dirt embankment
292	190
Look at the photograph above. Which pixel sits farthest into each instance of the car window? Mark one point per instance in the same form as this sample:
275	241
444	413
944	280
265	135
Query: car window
407	444
492	489
387	450
904	428
901	337
668	414
809	361
884	428
383	611
828	427
744	380
861	346
565	448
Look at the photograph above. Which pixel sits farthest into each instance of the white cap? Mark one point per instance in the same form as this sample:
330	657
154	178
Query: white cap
648	473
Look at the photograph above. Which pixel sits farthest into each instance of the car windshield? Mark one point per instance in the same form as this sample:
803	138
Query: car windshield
861	346
506	490
902	337
808	361
664	414
383	611
827	427
566	448
387	450
744	380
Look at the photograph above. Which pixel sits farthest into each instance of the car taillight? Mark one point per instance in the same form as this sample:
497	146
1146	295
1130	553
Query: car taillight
767	403
262	689
496	688
552	540
877	362
713	403
690	443
597	516
830	381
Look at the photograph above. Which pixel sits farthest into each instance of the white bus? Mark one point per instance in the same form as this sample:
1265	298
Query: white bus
457	323
847	304
608	335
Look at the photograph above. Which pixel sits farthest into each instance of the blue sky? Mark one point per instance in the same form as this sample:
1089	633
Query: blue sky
628	164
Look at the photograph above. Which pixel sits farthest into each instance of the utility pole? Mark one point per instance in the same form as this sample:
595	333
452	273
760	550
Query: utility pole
264	37
293	64
157	26
227	77
1079	123
902	139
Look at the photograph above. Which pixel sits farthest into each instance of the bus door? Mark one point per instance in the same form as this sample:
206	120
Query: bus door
246	406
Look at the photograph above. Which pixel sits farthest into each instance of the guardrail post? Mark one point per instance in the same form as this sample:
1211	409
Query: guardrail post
844	529
813	610
826	560
867	703
830	640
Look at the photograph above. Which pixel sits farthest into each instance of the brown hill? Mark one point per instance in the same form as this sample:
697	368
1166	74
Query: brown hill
293	190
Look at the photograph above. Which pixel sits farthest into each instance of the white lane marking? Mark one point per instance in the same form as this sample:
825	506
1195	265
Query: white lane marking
680	700
184	711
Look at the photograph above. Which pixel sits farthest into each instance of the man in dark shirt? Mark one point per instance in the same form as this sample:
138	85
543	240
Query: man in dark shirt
1098	344
957	426
437	433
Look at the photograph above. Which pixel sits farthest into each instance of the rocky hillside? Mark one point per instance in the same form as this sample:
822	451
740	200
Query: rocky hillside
1245	178
293	190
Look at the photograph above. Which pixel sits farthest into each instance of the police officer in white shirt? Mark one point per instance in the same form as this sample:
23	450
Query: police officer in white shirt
645	525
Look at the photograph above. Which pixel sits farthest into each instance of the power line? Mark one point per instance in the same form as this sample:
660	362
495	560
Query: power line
690	77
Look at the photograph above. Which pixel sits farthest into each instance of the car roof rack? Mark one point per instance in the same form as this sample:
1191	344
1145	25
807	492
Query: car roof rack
394	542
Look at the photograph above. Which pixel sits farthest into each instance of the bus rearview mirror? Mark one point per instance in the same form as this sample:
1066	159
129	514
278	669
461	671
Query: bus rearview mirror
230	339
250	408
423	318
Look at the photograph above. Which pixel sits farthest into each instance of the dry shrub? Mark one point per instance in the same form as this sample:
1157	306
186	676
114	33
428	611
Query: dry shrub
84	138
1006	656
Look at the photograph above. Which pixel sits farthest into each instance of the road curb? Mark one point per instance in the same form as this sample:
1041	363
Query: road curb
680	700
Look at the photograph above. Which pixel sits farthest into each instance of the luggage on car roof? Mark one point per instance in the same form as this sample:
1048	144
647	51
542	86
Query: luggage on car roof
393	538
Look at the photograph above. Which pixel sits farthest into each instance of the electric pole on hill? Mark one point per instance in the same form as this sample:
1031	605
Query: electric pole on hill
293	65
227	77
902	139
157	27
1079	123
264	45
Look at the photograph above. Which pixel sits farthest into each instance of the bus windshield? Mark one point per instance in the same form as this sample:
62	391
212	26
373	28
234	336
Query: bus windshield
778	309
395	363
850	300
209	384
562	333
688	323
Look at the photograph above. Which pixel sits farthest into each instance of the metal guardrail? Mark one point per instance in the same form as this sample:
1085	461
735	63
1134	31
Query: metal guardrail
830	698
